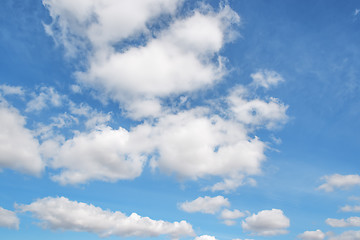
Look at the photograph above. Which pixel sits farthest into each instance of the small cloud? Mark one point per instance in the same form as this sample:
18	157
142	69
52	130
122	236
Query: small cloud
206	204
349	222
11	90
356	12
312	235
339	181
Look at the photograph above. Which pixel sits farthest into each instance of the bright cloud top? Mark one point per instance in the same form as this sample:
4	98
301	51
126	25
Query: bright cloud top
312	235
210	205
339	181
8	219
267	223
62	214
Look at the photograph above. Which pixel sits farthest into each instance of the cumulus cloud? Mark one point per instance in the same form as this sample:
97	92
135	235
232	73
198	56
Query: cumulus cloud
348	235
62	214
19	150
102	154
348	208
267	223
339	181
349	222
257	112
210	205
312	235
266	78
8	219
205	237
228	216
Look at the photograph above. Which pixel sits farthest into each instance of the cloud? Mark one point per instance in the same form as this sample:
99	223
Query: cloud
205	237
312	235
348	235
102	154
348	208
339	181
62	214
267	223
257	112
266	78
210	205
228	214
356	12
8	219
11	90
48	96
350	222
13	134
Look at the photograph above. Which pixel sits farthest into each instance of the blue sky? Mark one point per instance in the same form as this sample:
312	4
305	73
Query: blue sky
170	119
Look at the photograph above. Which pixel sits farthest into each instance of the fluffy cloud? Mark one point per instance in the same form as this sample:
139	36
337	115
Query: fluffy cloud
266	78
8	219
206	204
339	181
62	214
348	235
229	216
19	150
350	222
102	154
205	237
348	208
102	23
257	112
312	235
267	223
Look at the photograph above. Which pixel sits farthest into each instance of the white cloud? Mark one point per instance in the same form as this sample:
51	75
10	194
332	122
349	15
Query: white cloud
257	112
348	235
348	208
11	90
266	78
312	235
349	222
356	12
210	205
8	219
205	237
339	181
48	96
228	214
62	214
102	23
267	223
102	154
19	150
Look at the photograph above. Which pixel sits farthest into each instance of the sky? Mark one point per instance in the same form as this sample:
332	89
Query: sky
179	119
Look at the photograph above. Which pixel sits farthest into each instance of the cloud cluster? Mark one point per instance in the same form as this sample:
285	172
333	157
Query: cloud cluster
8	219
62	214
312	235
339	181
267	223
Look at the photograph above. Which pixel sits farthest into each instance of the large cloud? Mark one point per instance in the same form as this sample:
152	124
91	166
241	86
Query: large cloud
19	150
339	181
267	223
62	214
8	219
205	204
